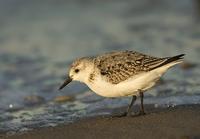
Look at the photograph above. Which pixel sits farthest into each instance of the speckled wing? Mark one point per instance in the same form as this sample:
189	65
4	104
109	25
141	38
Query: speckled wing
116	67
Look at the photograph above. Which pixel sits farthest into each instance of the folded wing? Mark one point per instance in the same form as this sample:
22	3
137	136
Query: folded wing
116	67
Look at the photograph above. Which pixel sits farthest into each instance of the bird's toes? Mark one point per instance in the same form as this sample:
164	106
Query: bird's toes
124	114
141	113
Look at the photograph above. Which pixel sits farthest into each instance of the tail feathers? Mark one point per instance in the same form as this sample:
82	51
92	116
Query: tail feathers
175	59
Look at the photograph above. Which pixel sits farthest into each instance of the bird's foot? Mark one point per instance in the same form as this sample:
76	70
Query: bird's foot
141	113
124	114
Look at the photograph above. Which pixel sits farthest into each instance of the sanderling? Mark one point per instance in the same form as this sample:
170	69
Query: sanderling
119	74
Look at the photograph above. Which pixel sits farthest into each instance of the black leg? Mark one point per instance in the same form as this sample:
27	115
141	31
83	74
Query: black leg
141	101
128	111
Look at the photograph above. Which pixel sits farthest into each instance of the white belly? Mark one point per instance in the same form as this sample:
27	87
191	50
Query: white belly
129	87
126	88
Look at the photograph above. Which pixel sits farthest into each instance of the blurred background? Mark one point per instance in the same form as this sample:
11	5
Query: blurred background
39	39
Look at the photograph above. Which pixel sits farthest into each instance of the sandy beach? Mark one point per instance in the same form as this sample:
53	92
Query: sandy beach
181	122
40	39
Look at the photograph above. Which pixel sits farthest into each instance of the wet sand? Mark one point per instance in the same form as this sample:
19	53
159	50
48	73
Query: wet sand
182	122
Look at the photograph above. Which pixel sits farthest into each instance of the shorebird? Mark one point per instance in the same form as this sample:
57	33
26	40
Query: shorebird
120	74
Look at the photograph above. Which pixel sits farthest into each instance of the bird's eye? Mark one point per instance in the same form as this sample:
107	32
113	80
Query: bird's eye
77	70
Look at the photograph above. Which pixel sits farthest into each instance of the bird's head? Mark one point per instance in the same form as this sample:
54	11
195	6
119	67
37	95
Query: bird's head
78	71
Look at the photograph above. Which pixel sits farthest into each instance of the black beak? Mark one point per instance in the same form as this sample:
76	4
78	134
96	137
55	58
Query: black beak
66	82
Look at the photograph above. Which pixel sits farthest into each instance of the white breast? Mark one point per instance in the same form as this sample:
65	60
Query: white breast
129	87
126	88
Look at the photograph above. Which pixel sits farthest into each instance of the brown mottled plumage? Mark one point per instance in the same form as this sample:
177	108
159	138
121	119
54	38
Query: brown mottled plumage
119	66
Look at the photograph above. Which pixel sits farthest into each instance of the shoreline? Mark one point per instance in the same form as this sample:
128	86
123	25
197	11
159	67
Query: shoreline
180	122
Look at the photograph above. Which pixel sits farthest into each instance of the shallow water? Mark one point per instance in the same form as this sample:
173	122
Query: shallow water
38	40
